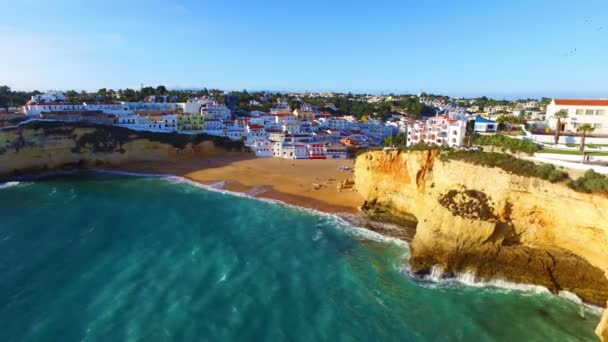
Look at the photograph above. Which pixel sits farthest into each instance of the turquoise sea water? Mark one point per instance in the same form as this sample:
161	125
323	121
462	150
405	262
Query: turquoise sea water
112	258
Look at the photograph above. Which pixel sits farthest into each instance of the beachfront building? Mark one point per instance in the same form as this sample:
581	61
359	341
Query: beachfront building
438	130
484	125
262	148
289	150
254	132
593	112
317	151
190	122
336	152
276	135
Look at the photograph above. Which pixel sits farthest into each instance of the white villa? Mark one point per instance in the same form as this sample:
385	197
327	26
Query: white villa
594	112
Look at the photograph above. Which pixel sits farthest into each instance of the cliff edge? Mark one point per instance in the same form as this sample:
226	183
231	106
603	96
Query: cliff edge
491	223
45	146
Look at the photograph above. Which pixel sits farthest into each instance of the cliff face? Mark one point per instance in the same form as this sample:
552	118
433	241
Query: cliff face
494	224
39	148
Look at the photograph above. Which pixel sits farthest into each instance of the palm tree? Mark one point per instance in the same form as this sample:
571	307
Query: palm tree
584	129
561	114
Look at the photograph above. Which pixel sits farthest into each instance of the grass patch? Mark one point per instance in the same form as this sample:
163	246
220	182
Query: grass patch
508	163
591	182
572	153
512	144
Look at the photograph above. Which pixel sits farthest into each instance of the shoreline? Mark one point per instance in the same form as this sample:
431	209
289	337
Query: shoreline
311	184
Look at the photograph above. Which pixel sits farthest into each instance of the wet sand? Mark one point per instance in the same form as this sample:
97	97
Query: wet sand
307	183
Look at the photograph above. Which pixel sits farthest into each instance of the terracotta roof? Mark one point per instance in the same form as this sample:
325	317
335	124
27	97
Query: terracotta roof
570	102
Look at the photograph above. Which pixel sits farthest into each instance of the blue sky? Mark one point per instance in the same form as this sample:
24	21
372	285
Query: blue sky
458	48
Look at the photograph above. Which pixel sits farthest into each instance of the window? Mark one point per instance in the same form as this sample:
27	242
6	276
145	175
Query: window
589	112
580	112
454	133
597	126
599	112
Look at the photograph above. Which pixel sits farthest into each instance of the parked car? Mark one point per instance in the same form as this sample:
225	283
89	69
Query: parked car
474	149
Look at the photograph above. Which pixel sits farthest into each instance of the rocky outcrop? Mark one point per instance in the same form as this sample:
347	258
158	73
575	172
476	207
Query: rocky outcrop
46	146
494	224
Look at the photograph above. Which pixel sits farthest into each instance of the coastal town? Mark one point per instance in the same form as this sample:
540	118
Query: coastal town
334	125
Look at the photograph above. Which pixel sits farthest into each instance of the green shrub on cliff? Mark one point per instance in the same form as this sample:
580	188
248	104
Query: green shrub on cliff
499	140
591	182
508	163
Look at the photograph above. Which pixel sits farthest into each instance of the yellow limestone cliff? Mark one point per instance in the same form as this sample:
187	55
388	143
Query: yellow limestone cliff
50	146
491	223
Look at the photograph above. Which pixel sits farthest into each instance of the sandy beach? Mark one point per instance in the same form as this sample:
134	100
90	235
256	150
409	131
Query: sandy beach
307	183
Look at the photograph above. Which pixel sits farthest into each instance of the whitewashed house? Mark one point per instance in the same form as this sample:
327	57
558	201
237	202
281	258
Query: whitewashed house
262	148
593	112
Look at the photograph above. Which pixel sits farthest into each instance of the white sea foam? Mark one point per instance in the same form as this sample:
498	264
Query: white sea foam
134	174
8	185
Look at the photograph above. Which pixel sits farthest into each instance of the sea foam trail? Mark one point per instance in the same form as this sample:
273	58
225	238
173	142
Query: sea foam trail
8	185
438	277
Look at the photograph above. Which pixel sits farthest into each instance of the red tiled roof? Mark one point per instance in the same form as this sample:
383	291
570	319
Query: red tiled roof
570	102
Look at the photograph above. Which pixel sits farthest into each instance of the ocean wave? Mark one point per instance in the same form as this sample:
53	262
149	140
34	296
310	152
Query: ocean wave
8	185
437	277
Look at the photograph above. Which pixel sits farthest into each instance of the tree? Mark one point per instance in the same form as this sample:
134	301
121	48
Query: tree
161	90
561	114
103	92
584	129
294	105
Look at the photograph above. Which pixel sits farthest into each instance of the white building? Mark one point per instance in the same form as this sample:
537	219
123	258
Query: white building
262	147
289	150
484	125
439	130
219	112
276	135
162	123
255	132
337	123
593	112
291	127
49	97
